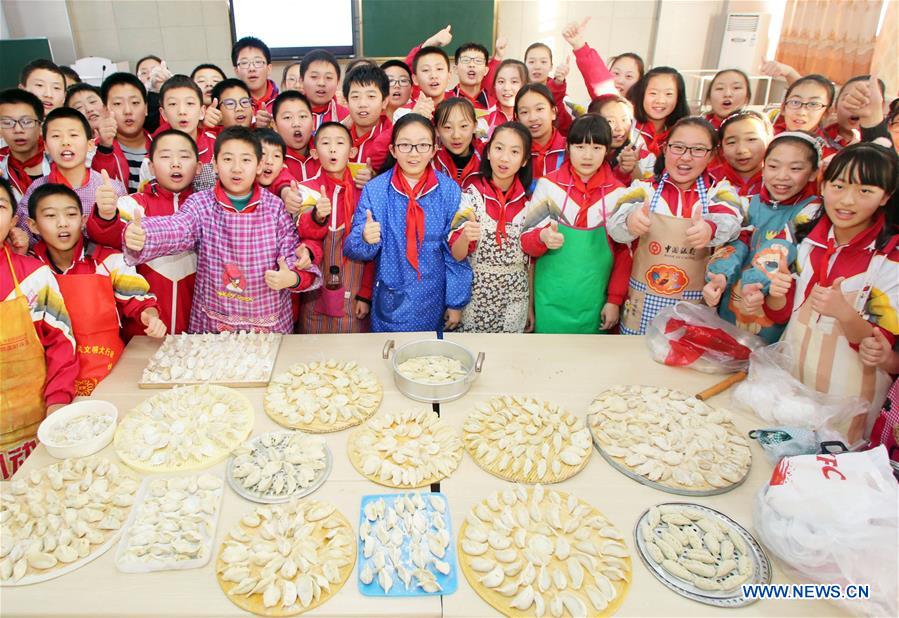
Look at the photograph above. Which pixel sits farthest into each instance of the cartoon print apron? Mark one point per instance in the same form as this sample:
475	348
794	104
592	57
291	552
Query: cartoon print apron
500	289
666	269
825	361
23	371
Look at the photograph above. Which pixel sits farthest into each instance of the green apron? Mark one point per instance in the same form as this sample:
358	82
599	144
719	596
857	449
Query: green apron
570	283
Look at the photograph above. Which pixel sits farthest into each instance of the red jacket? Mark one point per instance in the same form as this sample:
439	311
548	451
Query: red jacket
552	158
653	140
267	99
443	162
597	77
331	112
373	145
299	165
722	170
171	279
113	160
483	100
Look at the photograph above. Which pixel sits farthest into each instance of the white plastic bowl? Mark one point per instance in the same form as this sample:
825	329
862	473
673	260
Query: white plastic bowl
80	408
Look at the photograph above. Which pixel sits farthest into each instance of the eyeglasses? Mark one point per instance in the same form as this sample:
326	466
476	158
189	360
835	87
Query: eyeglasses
233	103
419	148
25	122
403	81
812	106
475	60
256	63
697	152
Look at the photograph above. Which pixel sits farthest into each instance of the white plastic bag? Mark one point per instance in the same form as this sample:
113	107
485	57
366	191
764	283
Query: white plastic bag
775	395
695	336
833	519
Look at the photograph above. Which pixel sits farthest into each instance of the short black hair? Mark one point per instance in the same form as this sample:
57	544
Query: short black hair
427	51
538	45
36	65
590	129
271	137
12	96
74	89
250	42
154	145
225	84
540	89
289	95
207	65
814	78
638	92
144	59
318	55
352	64
6	186
239	134
122	79
446	106
70	74
179	81
66	112
396	63
365	75
328	125
47	190
526	173
471	46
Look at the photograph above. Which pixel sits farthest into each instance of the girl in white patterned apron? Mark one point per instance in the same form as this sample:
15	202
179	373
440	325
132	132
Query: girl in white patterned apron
488	228
674	221
848	282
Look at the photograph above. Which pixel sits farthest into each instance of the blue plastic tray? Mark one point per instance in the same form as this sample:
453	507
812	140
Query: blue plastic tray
449	583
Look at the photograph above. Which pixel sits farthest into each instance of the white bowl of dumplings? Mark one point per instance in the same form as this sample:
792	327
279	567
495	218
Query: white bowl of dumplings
79	429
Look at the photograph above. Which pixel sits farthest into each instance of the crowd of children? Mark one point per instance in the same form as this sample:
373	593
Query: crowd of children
382	199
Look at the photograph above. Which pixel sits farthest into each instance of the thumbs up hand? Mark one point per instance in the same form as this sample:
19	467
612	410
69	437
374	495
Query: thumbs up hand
781	282
424	105
365	174
562	70
574	33
712	291
638	222
700	233
304	257
471	231
371	233
551	237
322	205
213	115
499	50
876	349
292	199
263	118
752	298
829	301
154	326
158	76
282	278
107	127
441	38
135	236
627	159
106	198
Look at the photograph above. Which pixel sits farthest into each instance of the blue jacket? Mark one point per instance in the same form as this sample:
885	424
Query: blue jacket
401	301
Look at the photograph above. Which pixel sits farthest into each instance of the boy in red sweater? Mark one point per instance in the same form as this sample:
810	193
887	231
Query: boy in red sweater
294	123
173	161
320	75
366	89
252	61
122	154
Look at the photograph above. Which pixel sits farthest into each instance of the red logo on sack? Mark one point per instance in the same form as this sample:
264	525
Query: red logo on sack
666	279
655	248
780	473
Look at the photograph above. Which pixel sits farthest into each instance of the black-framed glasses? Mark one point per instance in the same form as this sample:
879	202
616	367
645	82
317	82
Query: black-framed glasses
697	152
233	103
402	81
419	148
26	122
812	106
475	60
256	63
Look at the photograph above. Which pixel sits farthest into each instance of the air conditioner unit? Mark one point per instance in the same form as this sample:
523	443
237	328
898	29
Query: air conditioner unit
745	41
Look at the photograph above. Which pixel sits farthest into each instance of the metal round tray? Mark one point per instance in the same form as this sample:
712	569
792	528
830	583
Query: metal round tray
726	598
693	493
253	496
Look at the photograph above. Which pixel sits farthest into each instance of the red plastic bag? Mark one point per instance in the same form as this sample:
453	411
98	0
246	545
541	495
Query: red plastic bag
694	336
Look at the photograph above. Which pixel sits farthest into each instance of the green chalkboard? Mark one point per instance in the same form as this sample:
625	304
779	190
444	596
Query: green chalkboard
393	27
15	54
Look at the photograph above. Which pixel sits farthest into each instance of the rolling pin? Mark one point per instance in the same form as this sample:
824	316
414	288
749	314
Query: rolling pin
721	386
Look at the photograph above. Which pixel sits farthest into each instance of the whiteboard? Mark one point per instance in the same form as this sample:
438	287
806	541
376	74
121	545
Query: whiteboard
292	28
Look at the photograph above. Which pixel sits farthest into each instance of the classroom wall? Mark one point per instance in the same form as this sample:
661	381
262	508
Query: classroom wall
40	18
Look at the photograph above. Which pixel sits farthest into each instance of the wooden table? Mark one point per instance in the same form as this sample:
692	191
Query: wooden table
569	370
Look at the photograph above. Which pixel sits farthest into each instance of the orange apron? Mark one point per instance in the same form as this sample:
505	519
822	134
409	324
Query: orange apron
666	271
23	372
312	319
824	360
95	324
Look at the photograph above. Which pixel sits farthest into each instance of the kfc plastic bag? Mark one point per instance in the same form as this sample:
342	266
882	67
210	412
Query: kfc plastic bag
771	392
832	519
694	336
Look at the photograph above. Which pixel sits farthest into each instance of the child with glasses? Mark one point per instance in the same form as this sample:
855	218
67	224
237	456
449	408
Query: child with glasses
402	222
399	79
673	221
805	105
252	61
471	62
23	158
231	105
